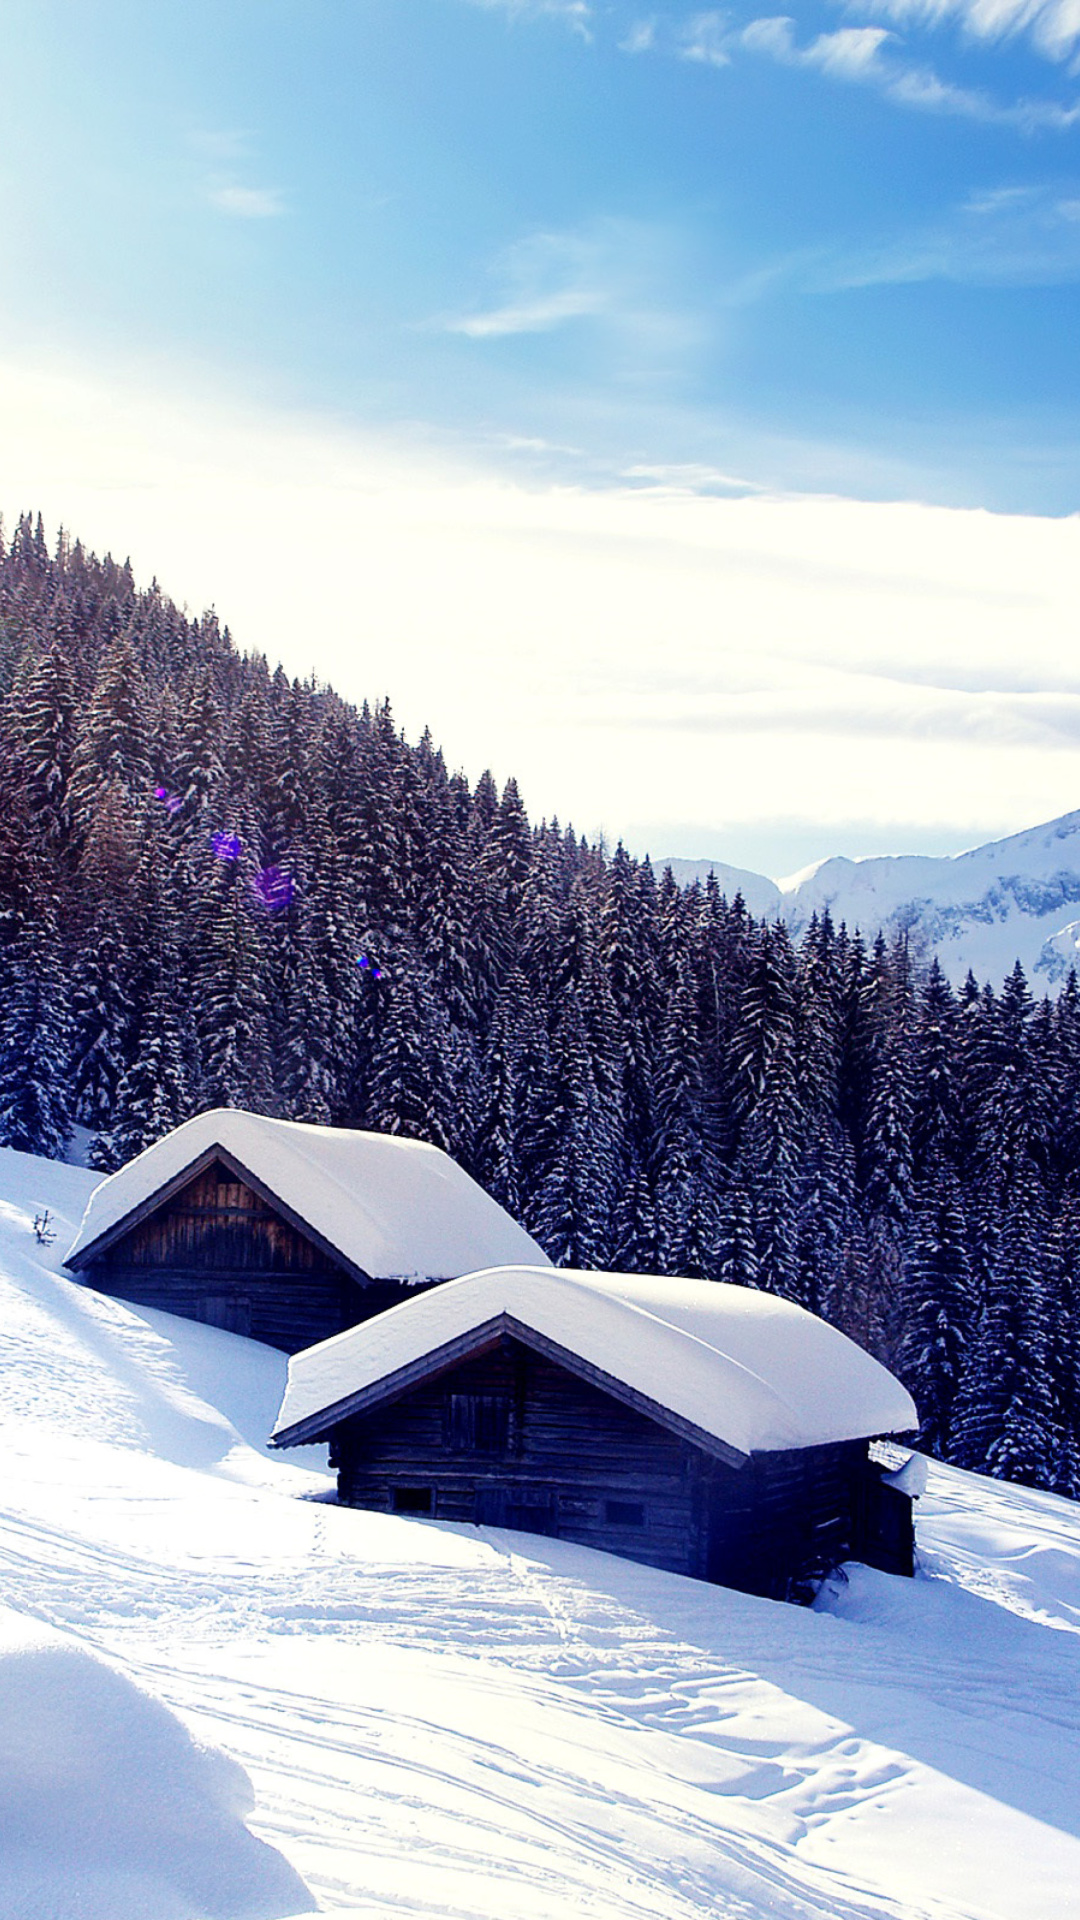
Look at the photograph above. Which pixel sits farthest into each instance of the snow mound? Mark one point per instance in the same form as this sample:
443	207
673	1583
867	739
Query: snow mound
396	1209
745	1368
110	1810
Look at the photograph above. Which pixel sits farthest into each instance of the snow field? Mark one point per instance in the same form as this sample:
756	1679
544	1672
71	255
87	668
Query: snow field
468	1723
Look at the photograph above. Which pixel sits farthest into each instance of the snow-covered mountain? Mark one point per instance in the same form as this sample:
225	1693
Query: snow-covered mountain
1013	899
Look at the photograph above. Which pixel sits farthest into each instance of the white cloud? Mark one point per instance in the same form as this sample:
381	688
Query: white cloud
615	273
870	55
852	53
1053	26
1001	236
640	37
644	659
223	144
705	38
690	477
531	316
247	203
576	13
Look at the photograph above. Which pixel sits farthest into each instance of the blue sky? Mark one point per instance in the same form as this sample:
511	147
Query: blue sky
837	249
558	245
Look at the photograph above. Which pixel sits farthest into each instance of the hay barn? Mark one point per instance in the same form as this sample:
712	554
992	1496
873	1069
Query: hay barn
286	1232
703	1428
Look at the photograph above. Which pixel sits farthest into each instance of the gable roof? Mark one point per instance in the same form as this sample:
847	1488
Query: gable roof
393	1209
736	1371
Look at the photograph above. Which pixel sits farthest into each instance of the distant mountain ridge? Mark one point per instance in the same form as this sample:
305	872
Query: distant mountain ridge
1013	899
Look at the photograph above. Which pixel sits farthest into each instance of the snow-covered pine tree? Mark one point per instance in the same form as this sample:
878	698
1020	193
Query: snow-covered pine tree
938	1304
682	1169
39	724
35	1027
1003	1416
572	1211
419	1082
226	954
736	1256
112	747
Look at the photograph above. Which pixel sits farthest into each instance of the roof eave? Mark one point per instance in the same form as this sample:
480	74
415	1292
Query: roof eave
479	1339
190	1171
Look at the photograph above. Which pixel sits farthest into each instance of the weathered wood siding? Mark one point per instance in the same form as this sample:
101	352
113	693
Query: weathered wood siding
217	1252
785	1518
512	1439
555	1455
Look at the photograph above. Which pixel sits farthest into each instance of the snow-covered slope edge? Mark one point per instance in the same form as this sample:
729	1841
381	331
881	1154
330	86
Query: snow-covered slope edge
473	1723
984	910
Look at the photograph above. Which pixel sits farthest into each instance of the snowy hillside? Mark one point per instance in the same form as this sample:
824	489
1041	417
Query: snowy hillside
222	1696
1011	900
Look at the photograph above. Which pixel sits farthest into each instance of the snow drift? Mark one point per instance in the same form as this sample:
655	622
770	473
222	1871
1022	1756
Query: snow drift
109	1810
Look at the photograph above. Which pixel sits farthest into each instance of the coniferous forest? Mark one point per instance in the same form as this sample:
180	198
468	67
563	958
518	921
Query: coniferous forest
220	886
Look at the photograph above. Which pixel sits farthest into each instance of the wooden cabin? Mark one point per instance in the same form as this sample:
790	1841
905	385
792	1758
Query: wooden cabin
698	1427
284	1232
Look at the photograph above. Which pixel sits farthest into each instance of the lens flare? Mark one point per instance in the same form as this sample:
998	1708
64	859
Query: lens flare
274	888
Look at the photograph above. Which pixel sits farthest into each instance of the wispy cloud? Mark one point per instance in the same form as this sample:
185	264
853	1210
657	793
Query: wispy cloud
690	477
1001	236
851	53
872	56
877	55
576	13
705	38
549	279
640	37
247	203
614	273
225	145
1052	26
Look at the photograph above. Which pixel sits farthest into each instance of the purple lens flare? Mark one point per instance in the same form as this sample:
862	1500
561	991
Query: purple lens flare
274	888
226	845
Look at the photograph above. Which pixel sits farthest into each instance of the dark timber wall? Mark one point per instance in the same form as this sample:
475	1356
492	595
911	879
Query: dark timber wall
512	1439
217	1251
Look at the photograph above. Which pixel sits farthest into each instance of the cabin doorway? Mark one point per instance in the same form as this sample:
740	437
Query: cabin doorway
524	1509
229	1311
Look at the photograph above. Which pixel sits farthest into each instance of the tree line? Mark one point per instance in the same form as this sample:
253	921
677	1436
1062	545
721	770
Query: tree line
220	886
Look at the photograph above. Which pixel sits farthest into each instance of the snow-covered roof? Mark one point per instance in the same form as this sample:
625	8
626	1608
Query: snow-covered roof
395	1209
741	1368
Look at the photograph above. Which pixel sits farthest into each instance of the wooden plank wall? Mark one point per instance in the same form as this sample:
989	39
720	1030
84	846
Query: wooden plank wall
571	1451
772	1527
785	1519
217	1252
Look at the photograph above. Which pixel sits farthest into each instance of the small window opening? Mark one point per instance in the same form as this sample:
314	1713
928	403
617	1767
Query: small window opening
478	1423
624	1513
412	1500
